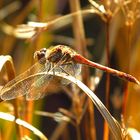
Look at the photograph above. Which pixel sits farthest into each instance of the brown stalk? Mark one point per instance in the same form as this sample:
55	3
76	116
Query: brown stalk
106	129
131	17
33	47
80	45
126	92
8	63
108	63
106	17
59	130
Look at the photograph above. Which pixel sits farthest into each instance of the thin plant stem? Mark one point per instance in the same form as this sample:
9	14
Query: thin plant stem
40	10
11	75
107	95
59	130
126	92
15	104
80	45
108	64
34	46
92	122
78	132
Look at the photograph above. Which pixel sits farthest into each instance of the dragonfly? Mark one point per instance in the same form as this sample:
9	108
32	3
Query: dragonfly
59	58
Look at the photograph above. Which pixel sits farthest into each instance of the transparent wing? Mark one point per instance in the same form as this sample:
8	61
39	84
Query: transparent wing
22	84
33	83
39	88
73	69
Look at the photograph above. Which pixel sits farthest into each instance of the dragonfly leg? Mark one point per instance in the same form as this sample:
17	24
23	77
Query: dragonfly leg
64	70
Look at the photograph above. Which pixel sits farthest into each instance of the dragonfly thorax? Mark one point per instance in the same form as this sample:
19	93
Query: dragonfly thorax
60	59
54	56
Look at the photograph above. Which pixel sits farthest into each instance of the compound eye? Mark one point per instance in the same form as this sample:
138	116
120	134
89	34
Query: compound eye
39	55
43	50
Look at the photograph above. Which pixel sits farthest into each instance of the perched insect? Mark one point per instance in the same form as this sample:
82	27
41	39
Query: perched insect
58	58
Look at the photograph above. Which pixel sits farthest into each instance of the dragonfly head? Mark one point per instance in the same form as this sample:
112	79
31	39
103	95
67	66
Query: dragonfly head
40	54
